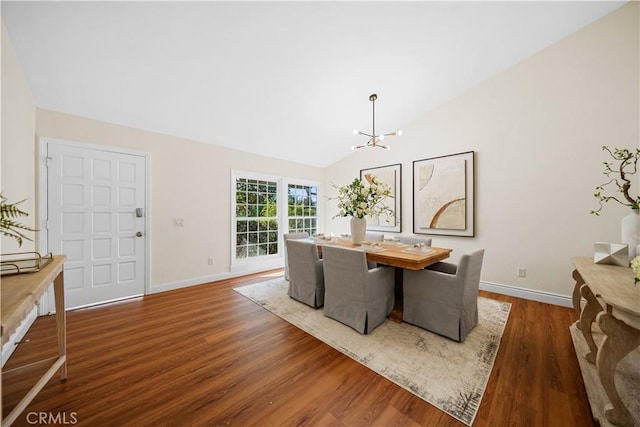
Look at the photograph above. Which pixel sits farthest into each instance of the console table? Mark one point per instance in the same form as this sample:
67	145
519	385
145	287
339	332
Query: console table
613	301
20	293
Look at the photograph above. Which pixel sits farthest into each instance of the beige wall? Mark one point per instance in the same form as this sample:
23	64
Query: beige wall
17	143
189	180
537	130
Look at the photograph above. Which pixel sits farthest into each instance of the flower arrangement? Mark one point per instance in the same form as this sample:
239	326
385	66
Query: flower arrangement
359	200
627	165
635	266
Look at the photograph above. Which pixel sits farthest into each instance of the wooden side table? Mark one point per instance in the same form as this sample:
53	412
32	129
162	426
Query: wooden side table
613	301
20	293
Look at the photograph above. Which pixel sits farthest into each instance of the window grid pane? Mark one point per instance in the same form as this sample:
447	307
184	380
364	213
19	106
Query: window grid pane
302	208
256	218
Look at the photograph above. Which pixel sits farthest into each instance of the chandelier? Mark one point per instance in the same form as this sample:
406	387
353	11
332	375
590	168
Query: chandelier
374	140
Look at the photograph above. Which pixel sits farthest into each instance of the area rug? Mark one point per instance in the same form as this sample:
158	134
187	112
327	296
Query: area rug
449	375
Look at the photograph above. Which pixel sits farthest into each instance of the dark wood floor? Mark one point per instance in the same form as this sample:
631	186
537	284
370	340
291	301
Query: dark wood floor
207	356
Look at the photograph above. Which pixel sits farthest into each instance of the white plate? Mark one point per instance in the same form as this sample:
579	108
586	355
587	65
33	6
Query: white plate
422	250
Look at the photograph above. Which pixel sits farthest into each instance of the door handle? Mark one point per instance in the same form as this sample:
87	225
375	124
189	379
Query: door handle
139	234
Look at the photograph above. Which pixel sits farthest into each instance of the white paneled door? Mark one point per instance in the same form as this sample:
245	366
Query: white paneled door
96	216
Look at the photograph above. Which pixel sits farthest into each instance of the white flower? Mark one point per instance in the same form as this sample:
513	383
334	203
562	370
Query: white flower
359	200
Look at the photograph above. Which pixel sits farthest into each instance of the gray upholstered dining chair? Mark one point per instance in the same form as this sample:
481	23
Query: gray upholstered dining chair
355	295
287	237
306	278
443	298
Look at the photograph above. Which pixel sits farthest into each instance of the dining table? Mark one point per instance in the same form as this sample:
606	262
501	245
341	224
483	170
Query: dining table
394	254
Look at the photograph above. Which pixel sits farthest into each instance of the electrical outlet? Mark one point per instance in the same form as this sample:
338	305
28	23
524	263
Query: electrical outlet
522	272
178	222
211	261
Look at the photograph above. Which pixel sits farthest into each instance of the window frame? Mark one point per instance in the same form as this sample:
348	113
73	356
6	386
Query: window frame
302	217
271	261
258	201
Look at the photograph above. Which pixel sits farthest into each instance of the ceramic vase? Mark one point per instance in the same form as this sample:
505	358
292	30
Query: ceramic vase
358	229
630	230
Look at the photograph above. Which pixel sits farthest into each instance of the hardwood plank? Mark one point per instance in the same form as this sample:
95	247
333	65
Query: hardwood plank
205	355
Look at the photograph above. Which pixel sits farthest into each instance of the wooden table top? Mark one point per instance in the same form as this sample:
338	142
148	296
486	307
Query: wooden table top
395	255
21	292
613	283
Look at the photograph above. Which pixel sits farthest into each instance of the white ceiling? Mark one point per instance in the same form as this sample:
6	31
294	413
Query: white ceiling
283	79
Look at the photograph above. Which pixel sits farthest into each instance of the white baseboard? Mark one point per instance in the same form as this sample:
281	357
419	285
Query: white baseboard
514	291
530	294
163	287
202	280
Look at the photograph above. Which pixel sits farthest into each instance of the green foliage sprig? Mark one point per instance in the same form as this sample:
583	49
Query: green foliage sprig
635	266
626	164
8	224
357	199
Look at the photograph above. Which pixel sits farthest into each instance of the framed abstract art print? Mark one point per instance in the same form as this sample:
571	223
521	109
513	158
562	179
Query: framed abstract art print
444	195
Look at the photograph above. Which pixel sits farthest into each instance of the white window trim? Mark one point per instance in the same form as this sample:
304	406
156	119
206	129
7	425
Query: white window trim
267	262
288	182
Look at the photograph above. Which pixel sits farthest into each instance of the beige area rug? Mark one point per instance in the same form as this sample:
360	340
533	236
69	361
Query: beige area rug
449	375
626	377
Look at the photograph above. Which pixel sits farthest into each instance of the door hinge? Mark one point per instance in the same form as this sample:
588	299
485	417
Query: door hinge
47	160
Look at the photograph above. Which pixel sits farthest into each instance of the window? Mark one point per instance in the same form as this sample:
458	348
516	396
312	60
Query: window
263	208
302	208
256	218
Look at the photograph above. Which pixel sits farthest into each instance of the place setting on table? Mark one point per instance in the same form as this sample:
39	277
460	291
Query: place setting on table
389	251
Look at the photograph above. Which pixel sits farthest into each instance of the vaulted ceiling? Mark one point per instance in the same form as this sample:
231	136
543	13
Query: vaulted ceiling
283	79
